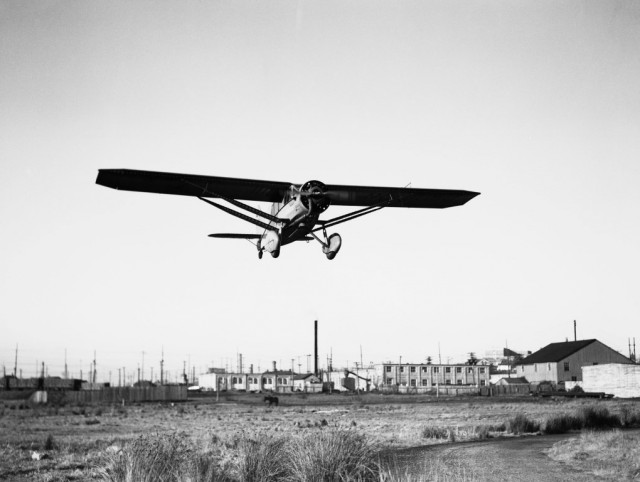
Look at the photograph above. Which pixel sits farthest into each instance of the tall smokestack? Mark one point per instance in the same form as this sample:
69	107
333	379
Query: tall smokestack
575	332
315	347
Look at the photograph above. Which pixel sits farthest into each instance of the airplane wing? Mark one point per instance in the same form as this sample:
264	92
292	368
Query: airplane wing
274	191
192	185
401	197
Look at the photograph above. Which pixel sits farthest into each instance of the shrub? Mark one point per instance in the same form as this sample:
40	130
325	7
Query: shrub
49	443
435	432
598	418
522	424
562	424
333	455
628	418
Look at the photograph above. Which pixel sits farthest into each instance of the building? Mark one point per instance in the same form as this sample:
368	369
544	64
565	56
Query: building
278	381
427	376
560	362
307	382
619	379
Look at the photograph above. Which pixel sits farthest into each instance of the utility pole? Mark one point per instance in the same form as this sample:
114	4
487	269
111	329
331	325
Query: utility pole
15	366
66	372
142	365
308	363
575	332
94	367
162	367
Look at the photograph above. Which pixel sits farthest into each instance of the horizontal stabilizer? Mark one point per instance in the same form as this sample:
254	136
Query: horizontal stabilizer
235	236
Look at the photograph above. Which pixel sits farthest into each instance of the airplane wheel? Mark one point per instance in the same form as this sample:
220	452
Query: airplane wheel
275	254
259	254
335	243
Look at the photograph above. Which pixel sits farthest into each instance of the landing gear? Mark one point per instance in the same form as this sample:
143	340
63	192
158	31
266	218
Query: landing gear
332	246
260	254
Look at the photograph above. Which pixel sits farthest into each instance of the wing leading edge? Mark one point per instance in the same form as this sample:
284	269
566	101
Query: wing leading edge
273	191
192	185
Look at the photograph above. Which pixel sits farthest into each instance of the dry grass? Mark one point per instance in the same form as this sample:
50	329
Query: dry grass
76	448
610	455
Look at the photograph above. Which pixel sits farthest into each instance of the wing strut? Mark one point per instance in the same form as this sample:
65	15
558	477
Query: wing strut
239	204
244	217
352	215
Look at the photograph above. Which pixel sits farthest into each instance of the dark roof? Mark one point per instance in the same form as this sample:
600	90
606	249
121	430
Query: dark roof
514	380
304	376
555	352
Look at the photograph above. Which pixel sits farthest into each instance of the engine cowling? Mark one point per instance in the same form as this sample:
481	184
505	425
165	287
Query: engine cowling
312	196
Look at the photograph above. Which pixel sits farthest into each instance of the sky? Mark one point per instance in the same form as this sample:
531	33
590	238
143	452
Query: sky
535	104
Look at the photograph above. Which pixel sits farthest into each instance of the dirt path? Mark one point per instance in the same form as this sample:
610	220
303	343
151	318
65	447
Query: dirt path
520	459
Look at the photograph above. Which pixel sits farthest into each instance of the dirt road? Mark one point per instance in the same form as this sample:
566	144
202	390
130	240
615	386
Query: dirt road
519	459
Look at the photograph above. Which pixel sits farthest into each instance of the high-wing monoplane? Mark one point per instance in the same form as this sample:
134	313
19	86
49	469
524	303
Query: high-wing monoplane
295	208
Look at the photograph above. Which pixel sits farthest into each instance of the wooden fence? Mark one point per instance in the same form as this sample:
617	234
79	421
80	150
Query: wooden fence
172	393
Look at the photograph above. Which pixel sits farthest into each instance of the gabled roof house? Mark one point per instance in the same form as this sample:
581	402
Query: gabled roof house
560	362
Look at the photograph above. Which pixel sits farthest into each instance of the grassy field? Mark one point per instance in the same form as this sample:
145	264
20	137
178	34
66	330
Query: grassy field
610	455
78	442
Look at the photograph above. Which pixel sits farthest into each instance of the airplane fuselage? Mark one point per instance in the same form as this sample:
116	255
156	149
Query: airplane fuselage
298	219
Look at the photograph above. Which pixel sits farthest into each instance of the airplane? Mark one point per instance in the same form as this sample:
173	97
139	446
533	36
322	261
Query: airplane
295	208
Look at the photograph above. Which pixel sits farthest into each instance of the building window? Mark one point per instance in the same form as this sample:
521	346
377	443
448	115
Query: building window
389	381
388	369
459	382
566	366
482	383
595	362
458	369
447	369
434	384
413	382
448	382
424	369
235	380
401	369
436	370
521	368
425	382
481	369
549	367
535	367
470	370
264	380
413	369
574	379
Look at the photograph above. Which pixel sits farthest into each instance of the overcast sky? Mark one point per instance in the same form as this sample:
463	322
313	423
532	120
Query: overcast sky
535	104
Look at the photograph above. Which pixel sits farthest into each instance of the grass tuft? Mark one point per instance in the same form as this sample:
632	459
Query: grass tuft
522	424
562	423
333	455
262	459
160	459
